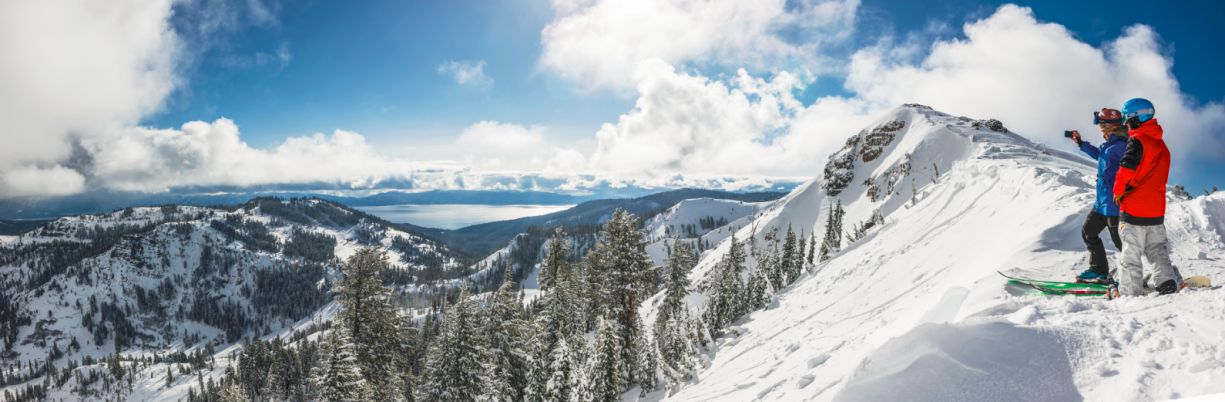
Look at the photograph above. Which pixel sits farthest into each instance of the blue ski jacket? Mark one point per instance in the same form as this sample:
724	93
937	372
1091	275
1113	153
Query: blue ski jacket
1108	156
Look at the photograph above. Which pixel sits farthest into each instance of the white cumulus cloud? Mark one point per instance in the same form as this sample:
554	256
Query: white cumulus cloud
1039	79
1036	77
507	146
600	43
68	68
204	154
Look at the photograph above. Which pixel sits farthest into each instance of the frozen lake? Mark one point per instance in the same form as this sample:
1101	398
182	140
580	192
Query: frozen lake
454	216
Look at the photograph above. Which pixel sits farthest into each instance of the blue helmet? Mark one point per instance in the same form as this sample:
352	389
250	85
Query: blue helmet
1139	108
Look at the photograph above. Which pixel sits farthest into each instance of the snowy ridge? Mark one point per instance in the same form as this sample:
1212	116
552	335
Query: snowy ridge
885	311
698	222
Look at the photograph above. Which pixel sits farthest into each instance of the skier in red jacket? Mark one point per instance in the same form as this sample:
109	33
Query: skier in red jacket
1139	190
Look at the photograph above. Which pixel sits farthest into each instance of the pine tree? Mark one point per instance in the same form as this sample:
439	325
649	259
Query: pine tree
758	290
562	374
798	263
605	377
726	301
555	260
556	321
453	367
272	383
341	378
812	248
680	263
772	263
630	275
670	334
790	271
409	342
232	392
648	364
833	232
508	362
372	321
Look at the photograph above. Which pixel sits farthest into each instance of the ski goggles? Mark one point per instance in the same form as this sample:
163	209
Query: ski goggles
1148	111
1097	119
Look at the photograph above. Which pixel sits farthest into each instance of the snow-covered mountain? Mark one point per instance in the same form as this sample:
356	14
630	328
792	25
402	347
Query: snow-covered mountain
700	222
164	280
915	310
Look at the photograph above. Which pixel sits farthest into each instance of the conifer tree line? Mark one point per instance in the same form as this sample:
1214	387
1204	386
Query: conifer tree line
582	337
490	346
734	291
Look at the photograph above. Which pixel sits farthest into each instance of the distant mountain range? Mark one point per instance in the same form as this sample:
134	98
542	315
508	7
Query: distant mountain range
484	238
99	202
105	202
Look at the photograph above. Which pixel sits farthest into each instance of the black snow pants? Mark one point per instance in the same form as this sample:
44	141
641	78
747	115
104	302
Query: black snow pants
1094	223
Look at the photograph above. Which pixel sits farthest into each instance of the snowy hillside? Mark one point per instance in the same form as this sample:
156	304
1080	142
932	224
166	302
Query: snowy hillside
915	310
700	222
164	280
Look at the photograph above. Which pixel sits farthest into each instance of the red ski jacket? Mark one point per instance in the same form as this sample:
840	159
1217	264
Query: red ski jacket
1142	176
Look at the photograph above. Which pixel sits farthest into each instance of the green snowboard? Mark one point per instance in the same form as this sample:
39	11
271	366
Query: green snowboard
1061	288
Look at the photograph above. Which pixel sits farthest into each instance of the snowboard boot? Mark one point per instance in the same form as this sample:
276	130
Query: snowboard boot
1167	287
1089	276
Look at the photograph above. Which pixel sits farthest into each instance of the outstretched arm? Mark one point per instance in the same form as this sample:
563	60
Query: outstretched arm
1089	149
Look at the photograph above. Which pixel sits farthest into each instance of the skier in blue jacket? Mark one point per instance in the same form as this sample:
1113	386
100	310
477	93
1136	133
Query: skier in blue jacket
1105	213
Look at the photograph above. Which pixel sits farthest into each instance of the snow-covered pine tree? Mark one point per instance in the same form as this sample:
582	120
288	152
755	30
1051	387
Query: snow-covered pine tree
562	374
833	231
407	348
670	334
629	277
453	366
771	261
605	377
758	290
371	320
539	369
812	248
508	363
555	260
593	286
679	264
726	300
648	363
272	390
736	257
556	321
798	264
342	379
787	262
232	392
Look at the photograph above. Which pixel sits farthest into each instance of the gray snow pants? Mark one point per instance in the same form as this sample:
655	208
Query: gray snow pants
1148	241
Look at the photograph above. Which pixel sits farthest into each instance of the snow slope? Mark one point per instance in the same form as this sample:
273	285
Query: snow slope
916	311
684	221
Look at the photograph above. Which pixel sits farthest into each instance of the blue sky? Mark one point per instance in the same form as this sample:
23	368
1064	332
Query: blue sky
371	67
576	93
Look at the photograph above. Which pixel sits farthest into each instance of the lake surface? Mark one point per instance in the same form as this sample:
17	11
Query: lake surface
454	216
